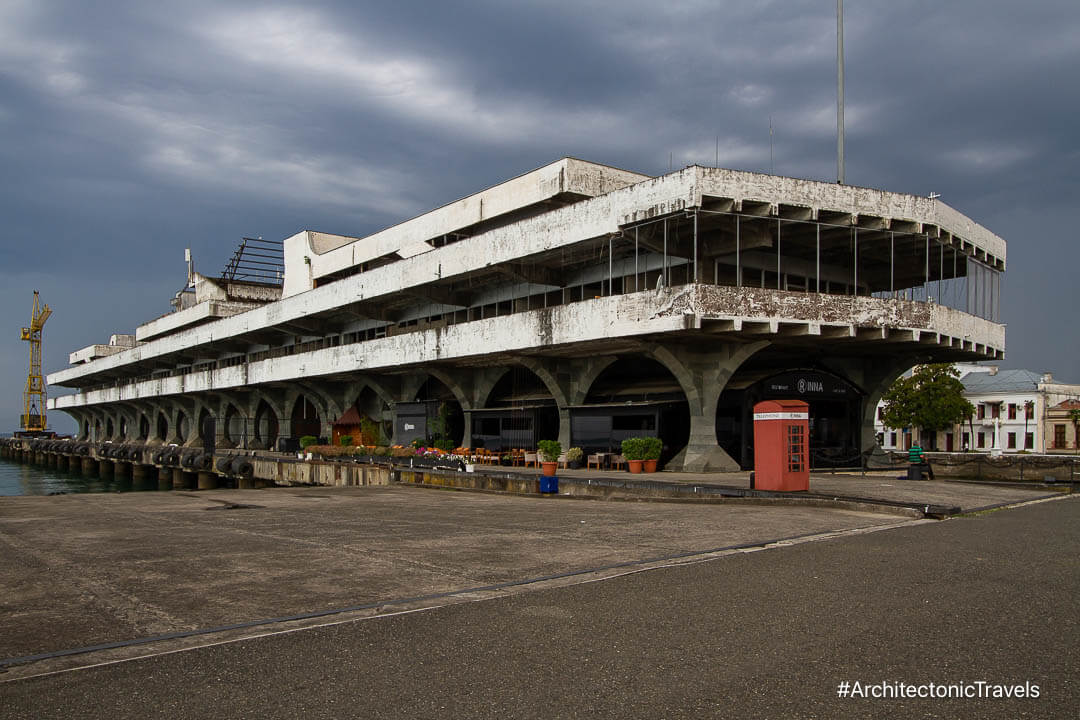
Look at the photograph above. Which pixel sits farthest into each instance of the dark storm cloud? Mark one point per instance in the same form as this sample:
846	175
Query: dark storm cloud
133	130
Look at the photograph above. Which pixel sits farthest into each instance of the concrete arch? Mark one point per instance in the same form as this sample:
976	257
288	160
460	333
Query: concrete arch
143	414
456	387
325	408
873	377
127	422
540	370
162	425
692	370
81	418
377	386
583	374
97	426
262	395
266	423
233	426
703	374
180	412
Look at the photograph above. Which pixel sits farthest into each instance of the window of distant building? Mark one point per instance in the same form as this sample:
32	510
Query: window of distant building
965	441
1012	440
1012	411
880	413
981	411
995	410
1059	436
1029	441
892	439
1029	410
980	440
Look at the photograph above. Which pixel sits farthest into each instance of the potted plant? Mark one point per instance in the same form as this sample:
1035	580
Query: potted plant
550	450
305	442
653	446
633	449
574	457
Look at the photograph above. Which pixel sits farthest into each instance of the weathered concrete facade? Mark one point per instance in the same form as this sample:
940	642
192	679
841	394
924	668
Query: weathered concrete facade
580	302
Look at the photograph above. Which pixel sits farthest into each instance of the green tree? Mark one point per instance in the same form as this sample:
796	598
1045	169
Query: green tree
932	398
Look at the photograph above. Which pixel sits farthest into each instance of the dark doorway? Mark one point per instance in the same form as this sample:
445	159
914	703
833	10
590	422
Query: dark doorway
835	415
305	419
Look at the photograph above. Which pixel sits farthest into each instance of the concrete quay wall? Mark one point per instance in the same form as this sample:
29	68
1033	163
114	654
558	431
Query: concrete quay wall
189	468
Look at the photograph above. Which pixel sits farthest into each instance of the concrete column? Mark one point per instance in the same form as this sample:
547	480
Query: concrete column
142	478
122	473
63	462
564	428
207	481
245	483
182	480
89	466
165	478
466	440
703	374
105	469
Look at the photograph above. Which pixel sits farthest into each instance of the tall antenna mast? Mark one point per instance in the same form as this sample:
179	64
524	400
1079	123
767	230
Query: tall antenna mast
772	171
840	91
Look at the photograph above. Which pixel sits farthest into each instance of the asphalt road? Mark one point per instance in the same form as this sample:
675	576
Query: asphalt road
763	634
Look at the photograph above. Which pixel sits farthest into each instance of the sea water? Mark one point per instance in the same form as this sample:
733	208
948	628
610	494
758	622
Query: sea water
26	479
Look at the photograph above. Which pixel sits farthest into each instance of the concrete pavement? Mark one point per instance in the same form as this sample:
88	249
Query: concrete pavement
83	570
760	634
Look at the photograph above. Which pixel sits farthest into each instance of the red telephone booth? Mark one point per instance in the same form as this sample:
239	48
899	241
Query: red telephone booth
781	454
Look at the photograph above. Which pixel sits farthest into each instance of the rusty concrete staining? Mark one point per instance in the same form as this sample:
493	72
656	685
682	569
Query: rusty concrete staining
577	301
712	301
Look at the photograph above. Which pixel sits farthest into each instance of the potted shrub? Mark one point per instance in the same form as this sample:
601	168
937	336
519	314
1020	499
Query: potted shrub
653	446
550	450
633	449
306	442
574	457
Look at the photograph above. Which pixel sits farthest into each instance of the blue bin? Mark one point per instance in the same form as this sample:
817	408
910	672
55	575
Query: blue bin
549	484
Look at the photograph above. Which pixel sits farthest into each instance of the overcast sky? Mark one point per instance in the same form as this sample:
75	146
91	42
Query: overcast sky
131	130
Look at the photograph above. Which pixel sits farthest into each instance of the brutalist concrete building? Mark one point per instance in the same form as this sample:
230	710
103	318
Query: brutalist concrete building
577	302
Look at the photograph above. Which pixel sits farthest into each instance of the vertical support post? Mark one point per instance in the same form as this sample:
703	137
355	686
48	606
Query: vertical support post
817	254
738	264
855	257
664	270
695	247
636	232
892	264
941	269
779	277
926	280
956	285
610	265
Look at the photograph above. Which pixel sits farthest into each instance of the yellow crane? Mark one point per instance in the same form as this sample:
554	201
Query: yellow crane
33	417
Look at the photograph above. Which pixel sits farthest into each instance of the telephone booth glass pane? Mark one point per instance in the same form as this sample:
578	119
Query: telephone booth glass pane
796	448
